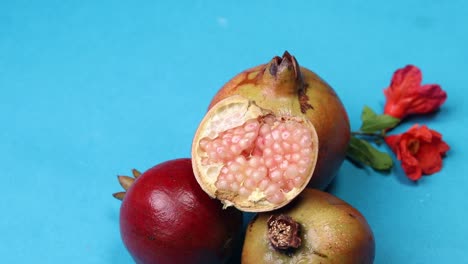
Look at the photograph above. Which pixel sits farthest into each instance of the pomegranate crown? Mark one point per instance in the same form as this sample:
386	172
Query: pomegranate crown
283	77
284	67
126	182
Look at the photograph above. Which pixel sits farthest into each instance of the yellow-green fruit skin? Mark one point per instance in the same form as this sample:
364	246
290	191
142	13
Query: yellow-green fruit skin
332	231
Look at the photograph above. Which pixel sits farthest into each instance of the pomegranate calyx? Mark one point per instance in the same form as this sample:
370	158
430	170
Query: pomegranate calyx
283	232
284	73
136	173
119	195
126	182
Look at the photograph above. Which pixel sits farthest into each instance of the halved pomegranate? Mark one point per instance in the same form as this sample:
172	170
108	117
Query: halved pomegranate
270	131
256	149
253	158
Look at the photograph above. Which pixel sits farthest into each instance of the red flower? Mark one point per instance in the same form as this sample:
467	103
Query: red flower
407	96
420	150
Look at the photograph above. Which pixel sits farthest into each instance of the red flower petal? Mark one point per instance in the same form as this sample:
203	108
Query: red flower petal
428	161
413	172
406	95
420	150
430	97
409	78
421	132
392	141
443	147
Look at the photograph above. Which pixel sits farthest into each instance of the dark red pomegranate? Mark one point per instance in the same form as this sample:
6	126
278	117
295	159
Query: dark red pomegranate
167	218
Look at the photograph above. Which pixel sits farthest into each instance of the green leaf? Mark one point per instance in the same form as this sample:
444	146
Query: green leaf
379	123
367	113
362	151
371	122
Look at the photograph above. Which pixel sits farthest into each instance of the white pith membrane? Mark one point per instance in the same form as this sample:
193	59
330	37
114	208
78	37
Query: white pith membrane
252	159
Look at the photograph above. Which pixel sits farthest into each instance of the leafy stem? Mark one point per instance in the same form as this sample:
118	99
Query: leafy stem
381	135
373	130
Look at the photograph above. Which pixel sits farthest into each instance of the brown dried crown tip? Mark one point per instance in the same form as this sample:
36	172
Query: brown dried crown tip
281	67
126	182
283	76
283	232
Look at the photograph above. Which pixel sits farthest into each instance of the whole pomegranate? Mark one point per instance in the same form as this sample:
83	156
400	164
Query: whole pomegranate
317	227
166	218
270	132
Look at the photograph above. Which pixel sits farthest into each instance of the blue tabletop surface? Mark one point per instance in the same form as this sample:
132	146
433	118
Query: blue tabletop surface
91	89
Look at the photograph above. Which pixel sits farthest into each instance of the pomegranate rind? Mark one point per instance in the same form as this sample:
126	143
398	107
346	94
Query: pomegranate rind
238	110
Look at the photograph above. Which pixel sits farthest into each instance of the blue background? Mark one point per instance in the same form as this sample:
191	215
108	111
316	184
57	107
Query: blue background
91	89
